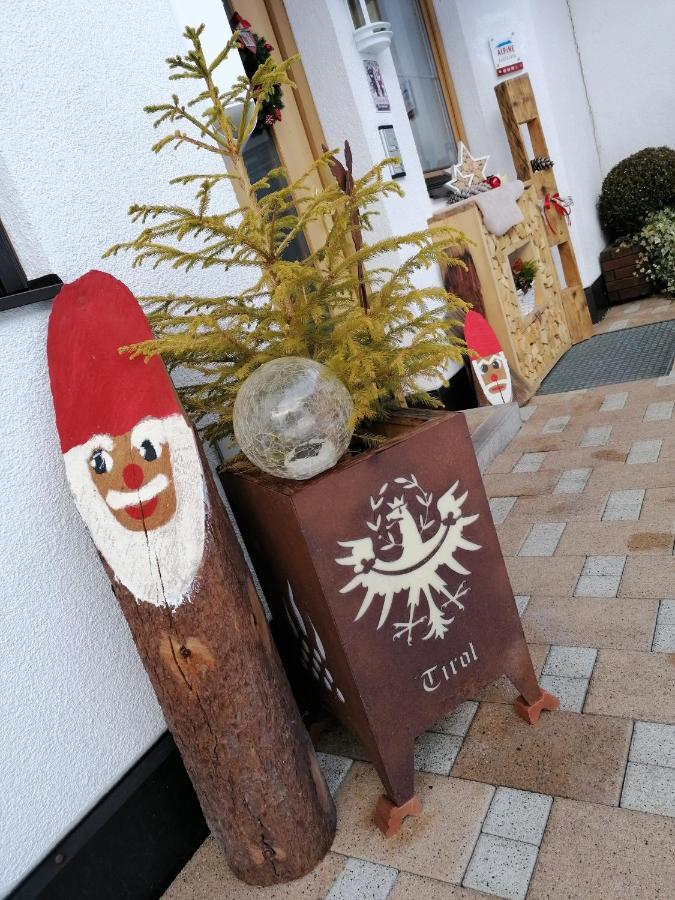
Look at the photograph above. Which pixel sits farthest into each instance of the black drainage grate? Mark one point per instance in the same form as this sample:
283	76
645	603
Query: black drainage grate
631	354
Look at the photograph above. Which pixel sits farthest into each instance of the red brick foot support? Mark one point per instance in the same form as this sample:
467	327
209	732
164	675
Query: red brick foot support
531	711
389	818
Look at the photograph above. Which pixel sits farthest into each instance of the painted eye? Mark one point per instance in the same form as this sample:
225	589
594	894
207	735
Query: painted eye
484	367
148	451
495	364
101	462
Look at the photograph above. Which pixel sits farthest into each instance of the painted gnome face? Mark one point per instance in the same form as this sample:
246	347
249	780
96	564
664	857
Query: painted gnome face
130	456
488	359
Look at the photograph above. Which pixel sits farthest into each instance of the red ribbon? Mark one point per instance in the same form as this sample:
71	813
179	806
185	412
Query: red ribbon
563	205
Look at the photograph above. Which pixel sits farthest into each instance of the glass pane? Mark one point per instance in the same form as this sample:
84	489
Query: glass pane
357	13
420	84
260	155
373	10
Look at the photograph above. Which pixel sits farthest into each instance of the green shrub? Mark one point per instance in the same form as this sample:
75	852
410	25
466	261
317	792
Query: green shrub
637	186
657	256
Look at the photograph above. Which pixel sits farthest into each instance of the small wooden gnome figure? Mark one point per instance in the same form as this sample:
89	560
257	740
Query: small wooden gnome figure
488	359
136	472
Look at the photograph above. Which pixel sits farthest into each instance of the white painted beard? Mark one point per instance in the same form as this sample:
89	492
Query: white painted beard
159	565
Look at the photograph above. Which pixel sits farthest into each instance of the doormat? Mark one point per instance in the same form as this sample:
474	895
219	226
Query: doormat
646	351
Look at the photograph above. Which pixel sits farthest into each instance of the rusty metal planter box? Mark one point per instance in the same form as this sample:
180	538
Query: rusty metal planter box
388	574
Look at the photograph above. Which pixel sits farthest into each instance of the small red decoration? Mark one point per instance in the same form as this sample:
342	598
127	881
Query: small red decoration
494	181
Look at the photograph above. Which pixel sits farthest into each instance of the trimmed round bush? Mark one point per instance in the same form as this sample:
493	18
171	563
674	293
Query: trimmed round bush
636	187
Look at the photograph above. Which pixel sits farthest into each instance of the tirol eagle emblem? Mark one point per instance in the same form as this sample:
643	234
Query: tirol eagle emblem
413	542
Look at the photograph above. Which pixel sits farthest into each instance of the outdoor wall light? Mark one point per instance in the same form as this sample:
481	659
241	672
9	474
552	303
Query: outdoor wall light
372	35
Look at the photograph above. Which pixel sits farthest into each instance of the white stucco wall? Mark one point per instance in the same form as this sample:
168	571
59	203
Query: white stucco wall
74	153
629	67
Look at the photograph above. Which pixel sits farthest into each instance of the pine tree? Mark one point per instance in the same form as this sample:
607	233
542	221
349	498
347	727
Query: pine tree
342	306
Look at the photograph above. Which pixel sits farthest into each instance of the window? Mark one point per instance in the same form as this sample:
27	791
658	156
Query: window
364	12
421	85
15	288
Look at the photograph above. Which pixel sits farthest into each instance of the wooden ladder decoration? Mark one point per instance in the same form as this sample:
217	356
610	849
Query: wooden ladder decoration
518	107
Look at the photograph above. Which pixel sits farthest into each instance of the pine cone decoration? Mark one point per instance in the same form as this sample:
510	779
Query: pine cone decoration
539	163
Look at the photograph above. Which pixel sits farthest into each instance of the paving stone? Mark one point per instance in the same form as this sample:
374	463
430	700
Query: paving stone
659	506
432	844
633	684
502	691
644	452
586	507
502	867
518	815
458	721
645	577
362	880
415	887
600	576
337	741
653	744
558	576
567	754
665	380
542	539
511	536
613	402
555	425
660	411
530	462
334	769
602	853
649	789
570	662
614	538
623	506
436	752
519	484
570	691
618	476
207	876
572	481
613	624
526	412
664	635
619	325
521	603
500	507
596	436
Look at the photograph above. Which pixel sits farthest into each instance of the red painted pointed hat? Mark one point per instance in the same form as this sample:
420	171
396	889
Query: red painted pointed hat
480	338
95	389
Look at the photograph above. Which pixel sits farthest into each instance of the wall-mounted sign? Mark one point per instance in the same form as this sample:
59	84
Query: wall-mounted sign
505	56
390	144
378	91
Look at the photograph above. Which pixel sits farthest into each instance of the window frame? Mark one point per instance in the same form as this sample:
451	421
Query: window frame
15	288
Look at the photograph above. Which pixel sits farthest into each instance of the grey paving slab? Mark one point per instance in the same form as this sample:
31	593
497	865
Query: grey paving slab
501	866
613	402
542	539
649	789
665	380
664	633
660	411
624	354
572	481
436	752
644	452
500	507
653	744
529	462
334	769
458	721
623	506
362	880
618	325
600	576
521	603
518	815
570	691
596	436
526	412
555	425
570	662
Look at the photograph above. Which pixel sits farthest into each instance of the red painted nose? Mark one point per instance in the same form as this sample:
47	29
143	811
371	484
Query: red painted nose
133	475
492	378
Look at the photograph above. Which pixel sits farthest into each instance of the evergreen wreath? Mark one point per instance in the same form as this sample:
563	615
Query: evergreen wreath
272	104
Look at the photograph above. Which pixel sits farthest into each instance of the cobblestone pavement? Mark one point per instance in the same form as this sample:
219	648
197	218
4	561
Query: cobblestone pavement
583	804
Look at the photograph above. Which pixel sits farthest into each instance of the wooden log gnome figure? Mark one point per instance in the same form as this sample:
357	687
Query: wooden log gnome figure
139	481
488	359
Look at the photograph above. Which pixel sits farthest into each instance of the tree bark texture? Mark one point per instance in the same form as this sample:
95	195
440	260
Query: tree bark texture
227	702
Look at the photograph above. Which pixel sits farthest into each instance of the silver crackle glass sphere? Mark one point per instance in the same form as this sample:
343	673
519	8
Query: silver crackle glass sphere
291	418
